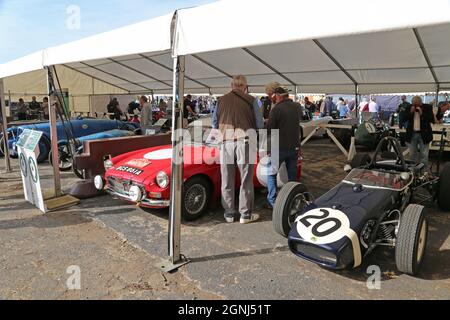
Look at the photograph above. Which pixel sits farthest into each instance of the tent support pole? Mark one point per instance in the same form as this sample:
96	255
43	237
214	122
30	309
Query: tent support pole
438	89
296	94
5	127
356	99
176	259
53	132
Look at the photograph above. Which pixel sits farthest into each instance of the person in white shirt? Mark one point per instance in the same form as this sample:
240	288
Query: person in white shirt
373	109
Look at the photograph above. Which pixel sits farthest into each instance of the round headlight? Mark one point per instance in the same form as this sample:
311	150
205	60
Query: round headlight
135	194
162	179
98	182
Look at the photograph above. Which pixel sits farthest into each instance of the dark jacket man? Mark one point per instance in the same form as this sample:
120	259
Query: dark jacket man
426	119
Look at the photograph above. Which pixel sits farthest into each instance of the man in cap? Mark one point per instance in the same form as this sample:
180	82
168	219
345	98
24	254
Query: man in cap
270	100
285	119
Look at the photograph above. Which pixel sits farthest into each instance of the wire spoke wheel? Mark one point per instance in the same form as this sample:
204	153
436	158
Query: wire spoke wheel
195	199
64	157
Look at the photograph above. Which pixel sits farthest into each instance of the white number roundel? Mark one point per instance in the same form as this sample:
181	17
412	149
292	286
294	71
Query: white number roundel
323	226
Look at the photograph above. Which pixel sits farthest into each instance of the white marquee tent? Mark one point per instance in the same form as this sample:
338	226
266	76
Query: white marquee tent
317	46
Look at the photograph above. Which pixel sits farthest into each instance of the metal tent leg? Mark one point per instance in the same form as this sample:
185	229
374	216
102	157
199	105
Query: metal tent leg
53	132
5	127
176	259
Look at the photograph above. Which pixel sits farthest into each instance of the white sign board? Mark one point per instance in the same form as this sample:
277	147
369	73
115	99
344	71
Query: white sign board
28	147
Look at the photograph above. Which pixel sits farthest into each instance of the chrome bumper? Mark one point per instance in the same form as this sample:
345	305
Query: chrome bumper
157	203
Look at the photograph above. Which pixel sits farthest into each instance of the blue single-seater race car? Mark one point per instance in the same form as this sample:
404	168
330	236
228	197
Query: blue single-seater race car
81	127
371	207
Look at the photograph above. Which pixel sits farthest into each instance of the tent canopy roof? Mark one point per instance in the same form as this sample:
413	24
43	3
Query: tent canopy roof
319	46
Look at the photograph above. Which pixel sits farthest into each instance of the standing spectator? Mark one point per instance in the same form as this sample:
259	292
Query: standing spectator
340	104
284	117
270	100
146	113
442	109
403	112
364	106
310	107
419	133
236	113
162	105
373	109
344	111
34	105
328	106
21	110
114	109
188	108
319	105
45	107
351	104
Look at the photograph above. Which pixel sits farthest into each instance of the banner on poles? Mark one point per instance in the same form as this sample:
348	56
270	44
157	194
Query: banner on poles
28	148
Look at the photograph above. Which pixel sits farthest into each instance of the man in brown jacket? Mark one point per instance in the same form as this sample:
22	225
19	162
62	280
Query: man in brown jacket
238	116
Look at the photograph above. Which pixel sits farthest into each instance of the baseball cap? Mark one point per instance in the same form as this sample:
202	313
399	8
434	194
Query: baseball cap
282	91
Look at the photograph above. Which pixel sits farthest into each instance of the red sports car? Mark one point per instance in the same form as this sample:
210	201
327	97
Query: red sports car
143	177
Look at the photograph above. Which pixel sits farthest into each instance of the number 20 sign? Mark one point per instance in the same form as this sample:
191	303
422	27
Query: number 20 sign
323	226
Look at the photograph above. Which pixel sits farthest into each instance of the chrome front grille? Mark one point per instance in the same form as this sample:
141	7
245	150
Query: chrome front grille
119	186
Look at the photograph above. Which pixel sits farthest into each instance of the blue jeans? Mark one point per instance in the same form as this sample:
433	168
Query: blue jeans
290	157
418	150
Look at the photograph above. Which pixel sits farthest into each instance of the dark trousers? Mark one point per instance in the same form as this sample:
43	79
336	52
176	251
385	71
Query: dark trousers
290	158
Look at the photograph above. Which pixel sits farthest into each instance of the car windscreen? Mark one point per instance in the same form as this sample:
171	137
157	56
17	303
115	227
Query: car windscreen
200	135
376	179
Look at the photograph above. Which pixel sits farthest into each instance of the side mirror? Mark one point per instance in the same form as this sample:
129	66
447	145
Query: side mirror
348	168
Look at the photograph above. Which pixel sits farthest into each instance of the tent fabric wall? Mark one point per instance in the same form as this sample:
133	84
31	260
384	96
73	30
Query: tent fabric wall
80	86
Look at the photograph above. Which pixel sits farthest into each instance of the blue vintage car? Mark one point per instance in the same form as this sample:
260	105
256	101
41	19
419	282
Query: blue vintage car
80	128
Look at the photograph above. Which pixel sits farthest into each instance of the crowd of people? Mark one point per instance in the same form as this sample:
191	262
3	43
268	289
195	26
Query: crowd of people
148	110
32	110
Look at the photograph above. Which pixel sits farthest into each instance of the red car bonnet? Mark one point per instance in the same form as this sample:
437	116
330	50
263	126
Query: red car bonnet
142	166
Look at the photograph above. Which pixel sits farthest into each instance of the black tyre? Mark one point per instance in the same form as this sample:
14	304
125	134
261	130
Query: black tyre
2	147
65	160
196	197
444	186
411	240
44	150
360	160
291	200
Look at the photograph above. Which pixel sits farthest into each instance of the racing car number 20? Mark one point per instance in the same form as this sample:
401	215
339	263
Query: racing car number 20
325	226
